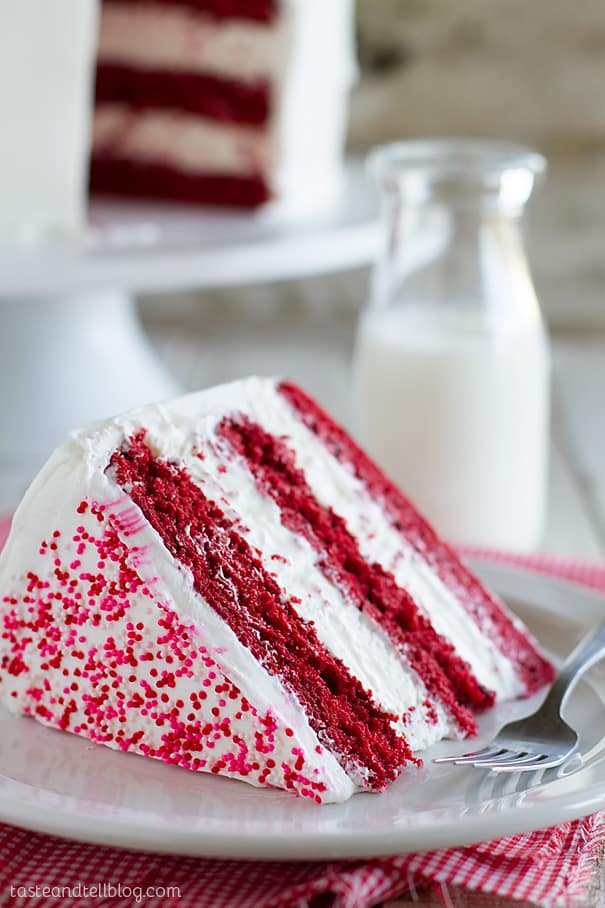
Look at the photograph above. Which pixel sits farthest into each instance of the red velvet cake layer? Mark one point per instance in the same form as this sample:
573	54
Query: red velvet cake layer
257	10
532	669
226	100
137	179
447	677
231	578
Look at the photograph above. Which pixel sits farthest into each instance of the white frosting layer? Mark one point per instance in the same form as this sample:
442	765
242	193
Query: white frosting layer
183	141
158	36
313	109
45	85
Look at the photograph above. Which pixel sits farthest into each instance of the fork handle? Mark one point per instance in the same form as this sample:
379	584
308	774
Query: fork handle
588	651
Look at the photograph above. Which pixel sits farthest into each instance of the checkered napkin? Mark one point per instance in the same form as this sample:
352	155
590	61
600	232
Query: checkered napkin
552	867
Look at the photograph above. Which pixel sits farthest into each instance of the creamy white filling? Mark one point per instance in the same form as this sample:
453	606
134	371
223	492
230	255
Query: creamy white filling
346	632
335	486
182	141
155	36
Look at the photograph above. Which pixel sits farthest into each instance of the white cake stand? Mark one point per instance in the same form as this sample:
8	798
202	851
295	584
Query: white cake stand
71	346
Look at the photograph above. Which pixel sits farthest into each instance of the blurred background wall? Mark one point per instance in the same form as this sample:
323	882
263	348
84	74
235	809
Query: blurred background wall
529	71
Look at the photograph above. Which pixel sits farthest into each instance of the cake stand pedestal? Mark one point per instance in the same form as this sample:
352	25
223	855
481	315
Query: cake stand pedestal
65	360
71	345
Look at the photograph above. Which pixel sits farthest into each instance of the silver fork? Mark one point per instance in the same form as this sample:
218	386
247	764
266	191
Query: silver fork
543	739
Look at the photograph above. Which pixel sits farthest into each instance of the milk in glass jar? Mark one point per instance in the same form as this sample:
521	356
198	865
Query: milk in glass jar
452	360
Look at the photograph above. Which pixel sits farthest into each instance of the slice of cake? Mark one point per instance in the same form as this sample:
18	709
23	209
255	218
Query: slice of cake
227	583
226	102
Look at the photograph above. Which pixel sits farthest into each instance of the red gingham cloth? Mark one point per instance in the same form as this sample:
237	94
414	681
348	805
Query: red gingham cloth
552	867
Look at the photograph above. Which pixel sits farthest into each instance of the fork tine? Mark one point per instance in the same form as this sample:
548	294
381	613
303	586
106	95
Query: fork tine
484	752
514	762
541	762
470	760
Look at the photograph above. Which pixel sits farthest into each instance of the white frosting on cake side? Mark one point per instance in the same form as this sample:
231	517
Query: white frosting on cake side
313	110
45	98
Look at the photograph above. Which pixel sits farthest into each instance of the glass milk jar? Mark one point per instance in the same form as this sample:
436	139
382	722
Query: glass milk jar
452	360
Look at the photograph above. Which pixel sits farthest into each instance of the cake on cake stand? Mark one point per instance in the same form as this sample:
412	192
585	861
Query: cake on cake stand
71	345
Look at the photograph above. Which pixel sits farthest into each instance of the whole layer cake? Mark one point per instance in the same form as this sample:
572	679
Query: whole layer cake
226	102
227	583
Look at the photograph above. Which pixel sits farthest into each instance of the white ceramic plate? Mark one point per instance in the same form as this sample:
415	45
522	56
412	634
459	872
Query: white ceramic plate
57	783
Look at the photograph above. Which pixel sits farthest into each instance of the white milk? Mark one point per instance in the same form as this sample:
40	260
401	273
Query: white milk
457	415
46	66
